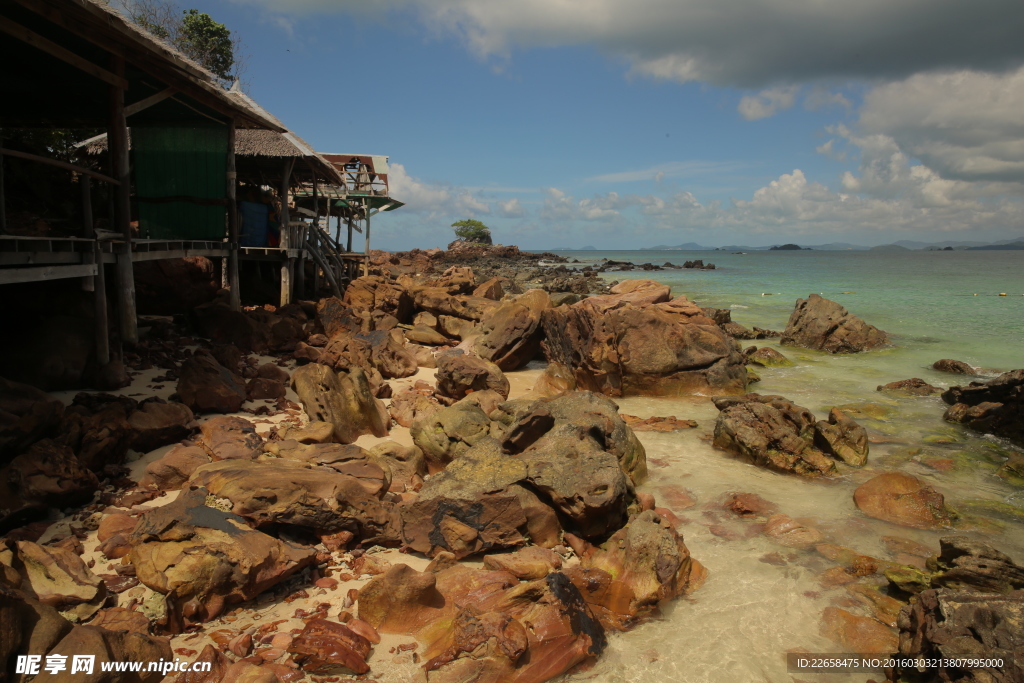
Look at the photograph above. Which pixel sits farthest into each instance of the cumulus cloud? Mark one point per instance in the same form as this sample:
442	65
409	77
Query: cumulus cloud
433	199
751	44
767	102
511	209
671	169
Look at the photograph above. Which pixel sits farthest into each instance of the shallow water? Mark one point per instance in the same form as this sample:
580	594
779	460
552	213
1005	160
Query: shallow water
739	625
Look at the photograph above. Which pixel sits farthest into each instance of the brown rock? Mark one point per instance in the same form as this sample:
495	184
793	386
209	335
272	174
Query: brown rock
306	353
993	407
842	438
450	432
121	619
407	464
526	563
788	532
313	432
460	374
766	356
231	438
412	405
260	388
117	523
749	505
821	324
157	424
174	468
29	414
49	475
858	634
205	386
421	334
957	367
510	335
401	600
902	499
910	387
111	646
343	399
658	424
59	578
325	644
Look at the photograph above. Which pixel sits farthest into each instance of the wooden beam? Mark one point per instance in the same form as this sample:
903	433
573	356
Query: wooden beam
59	164
53	49
136	107
235	297
117	144
12	275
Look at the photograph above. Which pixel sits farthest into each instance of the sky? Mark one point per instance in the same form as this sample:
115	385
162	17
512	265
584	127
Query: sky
623	124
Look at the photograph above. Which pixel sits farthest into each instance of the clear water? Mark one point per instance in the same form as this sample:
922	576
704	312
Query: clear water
738	626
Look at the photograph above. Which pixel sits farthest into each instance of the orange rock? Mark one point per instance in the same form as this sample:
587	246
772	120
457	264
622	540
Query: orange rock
858	634
677	497
902	499
324	644
788	532
117	523
527	563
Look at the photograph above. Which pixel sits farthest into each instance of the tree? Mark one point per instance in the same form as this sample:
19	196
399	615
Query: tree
192	32
472	230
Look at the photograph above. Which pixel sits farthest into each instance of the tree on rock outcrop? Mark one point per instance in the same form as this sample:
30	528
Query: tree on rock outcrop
471	230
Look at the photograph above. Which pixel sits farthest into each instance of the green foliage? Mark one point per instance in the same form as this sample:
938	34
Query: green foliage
207	42
472	230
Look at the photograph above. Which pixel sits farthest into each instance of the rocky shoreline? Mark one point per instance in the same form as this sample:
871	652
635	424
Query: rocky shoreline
376	487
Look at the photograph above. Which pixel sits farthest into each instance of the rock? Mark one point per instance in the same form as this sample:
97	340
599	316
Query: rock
377	350
946	624
59	578
902	499
527	563
230	438
28	415
658	424
459	374
769	357
407	464
788	532
174	468
773	432
510	335
49	475
491	289
305	353
218	322
667	349
821	324
401	600
157	423
749	505
121	619
202	558
450	432
97	429
111	646
993	407
858	634
372	292
910	387
285	492
650	561
353	461
205	386
422	334
323	645
260	388
343	399
640	292
414	404
29	627
957	367
424	356
842	438
313	432
965	563
118	523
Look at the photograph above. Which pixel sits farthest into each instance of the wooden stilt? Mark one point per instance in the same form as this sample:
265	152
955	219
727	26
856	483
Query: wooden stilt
117	140
286	281
366	245
87	227
100	307
225	281
236	295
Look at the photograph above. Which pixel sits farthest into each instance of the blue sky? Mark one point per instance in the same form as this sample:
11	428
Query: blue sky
624	124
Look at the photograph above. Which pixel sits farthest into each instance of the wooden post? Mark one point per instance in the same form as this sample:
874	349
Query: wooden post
235	298
366	246
286	276
287	266
225	281
3	201
100	307
348	249
88	230
117	140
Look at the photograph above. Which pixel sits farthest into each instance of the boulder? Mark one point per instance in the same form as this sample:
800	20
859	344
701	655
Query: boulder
856	633
59	578
343	399
450	432
325	645
218	322
773	432
966	563
312	432
459	374
957	367
422	334
157	423
203	558
661	350
510	335
29	627
378	350
414	404
230	437
993	407
791	533
369	471
407	464
205	386
109	647
373	292
527	564
910	387
824	325
842	438
97	429
336	318
261	388
174	468
27	414
766	356
946	623
401	600
286	492
902	499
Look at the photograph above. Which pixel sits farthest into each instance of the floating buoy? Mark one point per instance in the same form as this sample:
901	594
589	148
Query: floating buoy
1002	293
975	294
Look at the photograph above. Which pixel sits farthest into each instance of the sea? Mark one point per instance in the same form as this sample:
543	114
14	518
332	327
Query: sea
762	600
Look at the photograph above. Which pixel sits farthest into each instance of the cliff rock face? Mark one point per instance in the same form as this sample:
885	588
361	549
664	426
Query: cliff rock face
818	323
994	407
640	344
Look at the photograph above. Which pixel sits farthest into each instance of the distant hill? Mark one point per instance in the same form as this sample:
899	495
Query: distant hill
999	247
889	247
587	248
786	247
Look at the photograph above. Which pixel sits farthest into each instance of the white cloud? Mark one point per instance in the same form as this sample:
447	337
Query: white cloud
745	43
768	102
512	208
821	97
433	199
671	169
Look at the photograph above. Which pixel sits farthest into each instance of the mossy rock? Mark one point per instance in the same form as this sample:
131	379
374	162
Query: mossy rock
995	508
874	411
909	579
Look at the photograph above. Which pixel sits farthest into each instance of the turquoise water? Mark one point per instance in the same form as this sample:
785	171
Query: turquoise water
738	626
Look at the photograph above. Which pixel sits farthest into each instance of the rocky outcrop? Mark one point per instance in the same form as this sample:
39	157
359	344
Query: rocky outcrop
956	367
59	578
378	350
447	434
374	293
414	404
202	558
230	437
842	438
993	407
157	423
818	323
27	414
910	387
343	399
205	386
511	334
174	468
773	432
768	357
664	349
903	499
460	374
